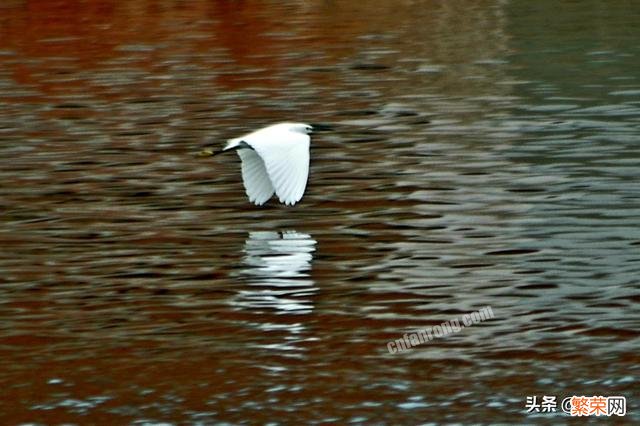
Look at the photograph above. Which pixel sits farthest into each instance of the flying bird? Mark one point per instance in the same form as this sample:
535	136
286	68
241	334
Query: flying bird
275	159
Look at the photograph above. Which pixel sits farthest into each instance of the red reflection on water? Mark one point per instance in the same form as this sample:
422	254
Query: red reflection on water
68	28
48	36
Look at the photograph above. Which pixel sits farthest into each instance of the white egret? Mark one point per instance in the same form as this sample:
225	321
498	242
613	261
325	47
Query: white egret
274	159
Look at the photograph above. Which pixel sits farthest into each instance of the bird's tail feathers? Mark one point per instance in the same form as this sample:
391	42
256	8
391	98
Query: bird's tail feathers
232	143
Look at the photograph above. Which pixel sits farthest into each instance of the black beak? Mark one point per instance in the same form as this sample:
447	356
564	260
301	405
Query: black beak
321	127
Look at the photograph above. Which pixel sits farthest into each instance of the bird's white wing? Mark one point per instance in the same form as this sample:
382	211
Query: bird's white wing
257	183
286	157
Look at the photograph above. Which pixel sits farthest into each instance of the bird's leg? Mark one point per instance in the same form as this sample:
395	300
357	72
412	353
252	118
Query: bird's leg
208	152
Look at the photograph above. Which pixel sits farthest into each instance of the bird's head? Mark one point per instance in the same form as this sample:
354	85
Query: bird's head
300	128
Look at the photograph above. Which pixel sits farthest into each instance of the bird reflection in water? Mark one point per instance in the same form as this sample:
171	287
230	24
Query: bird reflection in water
277	269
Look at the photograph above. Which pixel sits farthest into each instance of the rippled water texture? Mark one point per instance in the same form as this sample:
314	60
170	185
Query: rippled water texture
479	153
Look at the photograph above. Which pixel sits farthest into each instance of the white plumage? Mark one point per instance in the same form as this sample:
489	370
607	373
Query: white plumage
274	159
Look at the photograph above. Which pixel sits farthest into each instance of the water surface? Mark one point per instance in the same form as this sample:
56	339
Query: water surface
479	154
